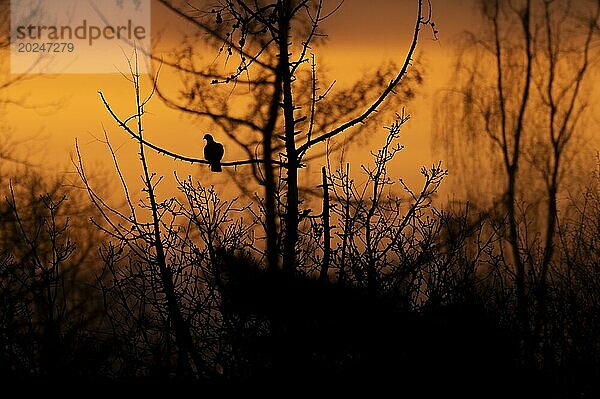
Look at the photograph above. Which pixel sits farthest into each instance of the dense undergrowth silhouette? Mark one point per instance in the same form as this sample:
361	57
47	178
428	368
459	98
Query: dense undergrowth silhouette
439	320
378	288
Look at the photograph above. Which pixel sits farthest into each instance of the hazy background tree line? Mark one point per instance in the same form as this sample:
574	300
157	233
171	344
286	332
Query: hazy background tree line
349	279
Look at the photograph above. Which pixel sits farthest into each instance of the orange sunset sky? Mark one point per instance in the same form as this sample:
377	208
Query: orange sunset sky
56	109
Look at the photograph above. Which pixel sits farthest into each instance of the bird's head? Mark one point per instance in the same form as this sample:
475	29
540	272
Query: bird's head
208	137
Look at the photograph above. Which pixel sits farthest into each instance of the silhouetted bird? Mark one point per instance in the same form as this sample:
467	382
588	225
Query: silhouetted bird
213	153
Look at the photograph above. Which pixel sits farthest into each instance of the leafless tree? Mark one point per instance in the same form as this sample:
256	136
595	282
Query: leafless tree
147	239
288	114
47	250
384	239
525	115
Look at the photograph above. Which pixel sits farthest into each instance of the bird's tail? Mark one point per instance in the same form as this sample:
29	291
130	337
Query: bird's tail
215	167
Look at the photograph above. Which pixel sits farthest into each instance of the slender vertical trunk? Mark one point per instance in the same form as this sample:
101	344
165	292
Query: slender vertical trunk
291	216
511	149
270	207
326	229
369	245
559	136
183	335
346	235
552	187
520	284
541	291
522	303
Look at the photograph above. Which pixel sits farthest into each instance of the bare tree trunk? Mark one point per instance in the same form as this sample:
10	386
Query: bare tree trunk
511	155
183	336
560	133
520	283
347	227
291	216
270	207
326	229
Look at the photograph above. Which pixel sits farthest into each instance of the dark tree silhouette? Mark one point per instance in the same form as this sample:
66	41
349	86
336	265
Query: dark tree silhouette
526	115
385	288
272	44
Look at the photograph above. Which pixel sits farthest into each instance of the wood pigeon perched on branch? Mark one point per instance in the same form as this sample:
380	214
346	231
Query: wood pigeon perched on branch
213	153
